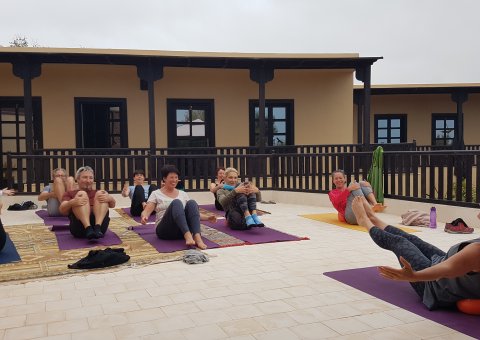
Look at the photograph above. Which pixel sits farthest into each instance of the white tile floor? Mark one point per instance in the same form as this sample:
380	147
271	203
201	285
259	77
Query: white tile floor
270	291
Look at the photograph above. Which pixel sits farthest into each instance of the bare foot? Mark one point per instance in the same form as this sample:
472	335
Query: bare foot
378	207
368	208
189	241
199	242
360	213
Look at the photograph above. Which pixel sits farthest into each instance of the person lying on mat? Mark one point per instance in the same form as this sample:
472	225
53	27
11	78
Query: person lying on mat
53	193
177	215
217	184
86	207
239	201
138	192
342	196
439	278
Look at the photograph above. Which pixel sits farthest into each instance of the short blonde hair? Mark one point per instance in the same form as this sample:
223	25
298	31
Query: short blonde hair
229	170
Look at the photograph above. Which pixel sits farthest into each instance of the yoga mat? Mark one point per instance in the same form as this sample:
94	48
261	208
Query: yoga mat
401	294
165	246
50	220
138	219
9	252
211	208
66	241
332	218
254	235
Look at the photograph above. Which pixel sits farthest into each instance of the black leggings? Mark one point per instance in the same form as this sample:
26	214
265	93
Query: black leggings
177	221
138	198
413	249
246	203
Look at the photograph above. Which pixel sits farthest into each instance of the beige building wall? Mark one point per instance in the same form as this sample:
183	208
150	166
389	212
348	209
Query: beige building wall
322	100
419	109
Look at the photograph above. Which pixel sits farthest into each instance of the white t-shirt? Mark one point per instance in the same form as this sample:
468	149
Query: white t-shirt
162	201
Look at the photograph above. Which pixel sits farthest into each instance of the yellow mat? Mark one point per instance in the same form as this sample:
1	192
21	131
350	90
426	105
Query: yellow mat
332	218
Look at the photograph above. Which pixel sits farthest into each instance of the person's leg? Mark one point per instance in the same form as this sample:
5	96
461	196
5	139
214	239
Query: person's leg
370	196
173	225
242	203
3	236
58	188
252	206
138	198
349	214
78	230
100	211
52	207
235	219
193	219
82	213
151	189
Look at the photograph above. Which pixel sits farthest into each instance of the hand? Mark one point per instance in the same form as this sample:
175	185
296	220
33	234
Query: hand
404	274
354	186
241	189
80	200
143	219
8	192
103	196
212	218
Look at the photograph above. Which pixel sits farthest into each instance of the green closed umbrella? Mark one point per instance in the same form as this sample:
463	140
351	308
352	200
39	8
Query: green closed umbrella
375	174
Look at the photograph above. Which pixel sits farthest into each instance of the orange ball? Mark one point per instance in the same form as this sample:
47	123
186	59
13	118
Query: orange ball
469	306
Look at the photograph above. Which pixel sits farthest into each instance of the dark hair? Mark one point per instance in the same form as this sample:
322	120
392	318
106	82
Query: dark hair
139	172
340	171
167	169
218	169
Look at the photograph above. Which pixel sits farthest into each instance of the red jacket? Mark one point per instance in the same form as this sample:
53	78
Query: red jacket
339	200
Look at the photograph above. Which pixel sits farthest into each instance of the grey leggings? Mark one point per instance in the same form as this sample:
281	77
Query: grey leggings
364	190
177	221
413	249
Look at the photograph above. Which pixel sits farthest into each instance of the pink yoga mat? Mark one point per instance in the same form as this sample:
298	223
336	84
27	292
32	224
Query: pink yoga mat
147	232
401	294
66	241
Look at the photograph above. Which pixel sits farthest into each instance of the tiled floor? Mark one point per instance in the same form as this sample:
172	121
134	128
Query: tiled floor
270	291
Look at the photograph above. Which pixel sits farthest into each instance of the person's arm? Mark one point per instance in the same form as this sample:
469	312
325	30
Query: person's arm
147	211
225	197
126	190
466	260
66	205
214	187
7	192
45	195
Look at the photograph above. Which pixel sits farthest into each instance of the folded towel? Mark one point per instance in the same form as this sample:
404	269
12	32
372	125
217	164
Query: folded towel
416	218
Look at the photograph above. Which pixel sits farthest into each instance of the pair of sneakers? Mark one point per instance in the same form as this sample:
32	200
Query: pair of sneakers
254	221
93	232
458	226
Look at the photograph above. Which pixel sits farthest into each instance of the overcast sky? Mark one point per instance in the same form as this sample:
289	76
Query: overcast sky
422	41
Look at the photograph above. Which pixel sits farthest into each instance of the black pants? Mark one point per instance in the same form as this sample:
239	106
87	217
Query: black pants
138	198
78	230
3	236
177	221
413	249
236	219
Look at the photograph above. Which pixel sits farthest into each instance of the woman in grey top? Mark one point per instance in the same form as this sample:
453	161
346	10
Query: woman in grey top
439	278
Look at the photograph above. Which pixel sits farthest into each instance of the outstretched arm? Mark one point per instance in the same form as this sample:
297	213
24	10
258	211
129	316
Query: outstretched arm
467	260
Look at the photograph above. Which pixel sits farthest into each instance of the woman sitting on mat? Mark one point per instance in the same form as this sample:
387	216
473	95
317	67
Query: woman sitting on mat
218	184
177	215
342	196
440	279
239	201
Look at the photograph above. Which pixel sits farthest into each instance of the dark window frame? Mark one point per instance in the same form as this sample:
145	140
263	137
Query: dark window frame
123	118
403	127
289	105
444	117
174	104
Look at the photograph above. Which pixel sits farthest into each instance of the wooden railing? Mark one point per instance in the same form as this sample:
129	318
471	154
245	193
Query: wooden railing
429	176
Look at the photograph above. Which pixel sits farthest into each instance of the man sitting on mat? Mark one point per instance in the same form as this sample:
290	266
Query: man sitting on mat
138	192
440	279
53	193
86	207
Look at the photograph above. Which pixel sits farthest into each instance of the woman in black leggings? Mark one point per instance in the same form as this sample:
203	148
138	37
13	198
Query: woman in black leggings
439	278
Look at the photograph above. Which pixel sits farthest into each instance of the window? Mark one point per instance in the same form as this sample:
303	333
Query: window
278	122
443	129
101	123
190	123
390	128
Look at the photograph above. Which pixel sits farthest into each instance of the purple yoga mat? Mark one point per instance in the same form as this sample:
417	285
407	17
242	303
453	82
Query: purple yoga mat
165	246
53	221
66	241
151	219
213	209
401	294
254	235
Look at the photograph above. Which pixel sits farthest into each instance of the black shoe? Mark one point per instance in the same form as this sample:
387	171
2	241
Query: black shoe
90	233
98	231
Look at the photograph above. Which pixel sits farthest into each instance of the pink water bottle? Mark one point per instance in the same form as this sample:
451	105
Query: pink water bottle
433	217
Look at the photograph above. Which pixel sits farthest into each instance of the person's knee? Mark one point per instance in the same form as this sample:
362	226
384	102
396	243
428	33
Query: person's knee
58	182
191	204
365	184
82	194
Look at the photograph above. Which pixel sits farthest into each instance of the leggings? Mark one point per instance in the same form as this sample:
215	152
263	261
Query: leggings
363	191
138	198
413	249
177	221
246	203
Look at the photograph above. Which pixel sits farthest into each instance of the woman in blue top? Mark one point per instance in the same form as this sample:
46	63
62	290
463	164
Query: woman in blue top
138	192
